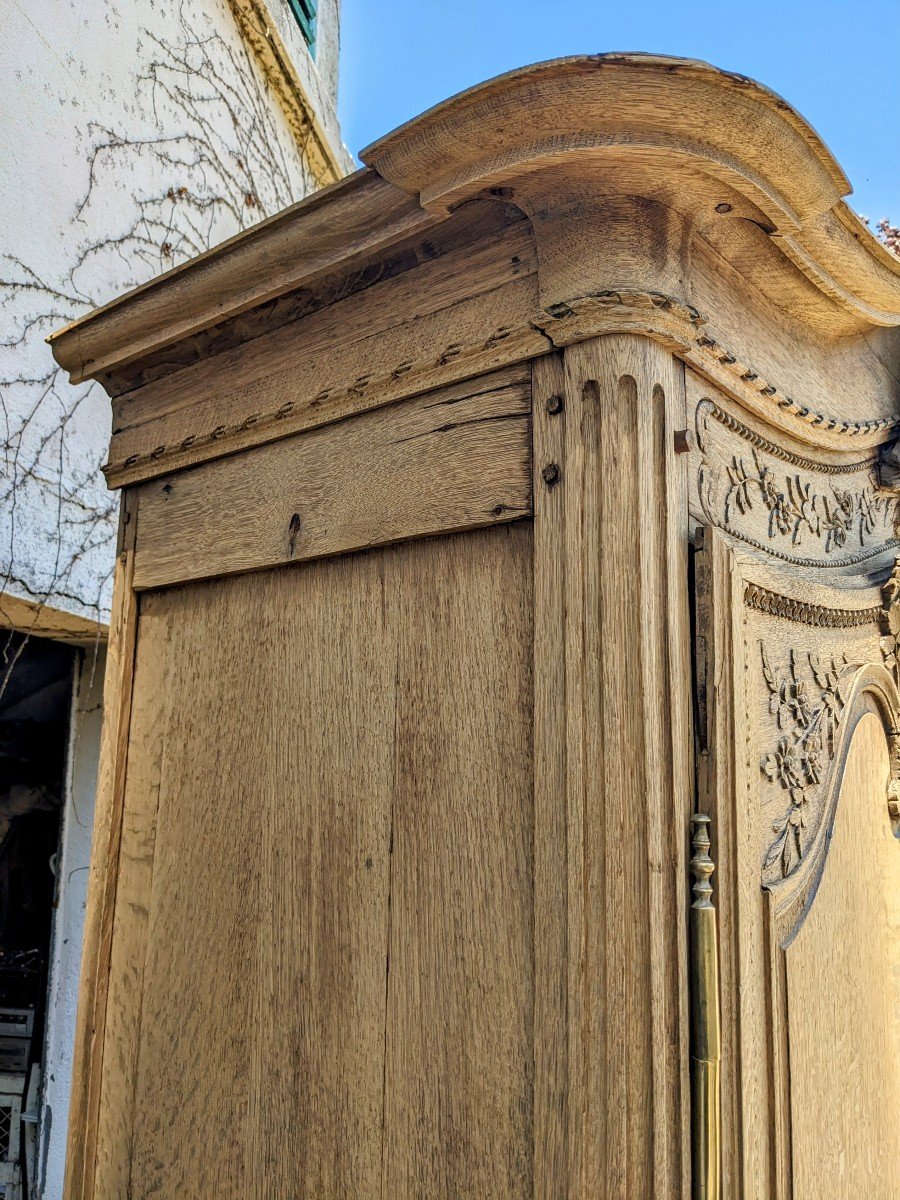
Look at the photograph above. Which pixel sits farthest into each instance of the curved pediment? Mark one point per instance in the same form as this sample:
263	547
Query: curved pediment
594	195
620	108
715	147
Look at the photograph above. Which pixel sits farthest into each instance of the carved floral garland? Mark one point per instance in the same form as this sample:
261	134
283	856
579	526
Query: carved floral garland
890	650
808	708
890	623
795	509
809	712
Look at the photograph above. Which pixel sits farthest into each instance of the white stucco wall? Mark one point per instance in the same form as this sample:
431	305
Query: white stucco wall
68	926
135	133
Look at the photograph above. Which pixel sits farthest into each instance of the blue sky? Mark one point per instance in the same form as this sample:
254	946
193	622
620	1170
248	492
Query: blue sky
837	63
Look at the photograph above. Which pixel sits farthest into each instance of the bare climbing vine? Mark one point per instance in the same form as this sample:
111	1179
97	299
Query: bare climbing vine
201	153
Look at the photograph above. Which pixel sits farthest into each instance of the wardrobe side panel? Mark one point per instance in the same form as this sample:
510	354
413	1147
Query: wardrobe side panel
322	979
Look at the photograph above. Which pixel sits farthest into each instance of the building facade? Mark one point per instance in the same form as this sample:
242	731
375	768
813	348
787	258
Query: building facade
134	137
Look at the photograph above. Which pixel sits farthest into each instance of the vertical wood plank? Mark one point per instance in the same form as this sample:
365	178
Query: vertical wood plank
459	1074
749	1079
299	740
317	1106
98	929
557	892
261	1022
146	748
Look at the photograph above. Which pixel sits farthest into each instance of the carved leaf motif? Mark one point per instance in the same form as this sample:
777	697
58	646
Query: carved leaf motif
833	516
890	623
808	710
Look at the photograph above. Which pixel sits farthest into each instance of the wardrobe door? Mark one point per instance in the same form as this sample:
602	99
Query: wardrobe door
799	772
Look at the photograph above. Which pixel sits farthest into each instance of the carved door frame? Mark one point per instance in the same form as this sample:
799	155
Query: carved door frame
774	731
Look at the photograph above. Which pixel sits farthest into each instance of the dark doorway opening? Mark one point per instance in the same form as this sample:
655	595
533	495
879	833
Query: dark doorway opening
34	723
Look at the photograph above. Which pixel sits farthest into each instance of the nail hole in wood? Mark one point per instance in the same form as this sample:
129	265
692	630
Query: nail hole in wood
293	532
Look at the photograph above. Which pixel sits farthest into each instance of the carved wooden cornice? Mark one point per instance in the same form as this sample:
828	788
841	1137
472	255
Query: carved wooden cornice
662	318
329	230
663	197
713	146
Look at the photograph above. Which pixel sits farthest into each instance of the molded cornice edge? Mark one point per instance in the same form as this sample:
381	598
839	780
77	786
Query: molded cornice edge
326	232
715	147
653	187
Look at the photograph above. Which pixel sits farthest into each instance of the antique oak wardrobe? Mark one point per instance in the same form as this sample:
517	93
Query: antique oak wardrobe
485	518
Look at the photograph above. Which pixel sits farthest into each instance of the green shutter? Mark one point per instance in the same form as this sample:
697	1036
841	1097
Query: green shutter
305	13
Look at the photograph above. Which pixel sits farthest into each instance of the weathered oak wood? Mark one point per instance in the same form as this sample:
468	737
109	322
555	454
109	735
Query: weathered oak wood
782	786
342	223
288	378
89	1062
389	891
460	966
843	1094
558	1043
149	734
612	781
448	460
298	915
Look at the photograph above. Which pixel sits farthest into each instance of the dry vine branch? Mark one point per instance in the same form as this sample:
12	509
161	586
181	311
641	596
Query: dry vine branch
210	154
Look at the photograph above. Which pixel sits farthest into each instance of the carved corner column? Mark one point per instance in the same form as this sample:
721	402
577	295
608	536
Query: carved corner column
613	776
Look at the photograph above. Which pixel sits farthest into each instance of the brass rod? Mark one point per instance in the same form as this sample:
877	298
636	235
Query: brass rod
705	1049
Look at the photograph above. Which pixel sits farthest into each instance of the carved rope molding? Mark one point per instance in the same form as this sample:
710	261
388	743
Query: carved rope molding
715	353
663	318
680	321
454	362
745	490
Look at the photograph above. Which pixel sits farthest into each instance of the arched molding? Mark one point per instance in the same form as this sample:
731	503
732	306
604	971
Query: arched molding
873	690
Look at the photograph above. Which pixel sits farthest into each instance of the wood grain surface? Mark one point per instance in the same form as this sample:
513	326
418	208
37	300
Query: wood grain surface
448	460
88	1061
323	954
844	1020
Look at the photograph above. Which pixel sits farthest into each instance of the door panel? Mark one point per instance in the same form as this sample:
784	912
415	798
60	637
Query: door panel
798	705
459	1076
322	958
843	996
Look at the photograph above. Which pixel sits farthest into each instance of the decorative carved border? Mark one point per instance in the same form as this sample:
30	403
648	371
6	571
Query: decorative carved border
817	699
796	460
714	352
807	703
666	319
409	377
673	321
870	688
794	508
773	604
